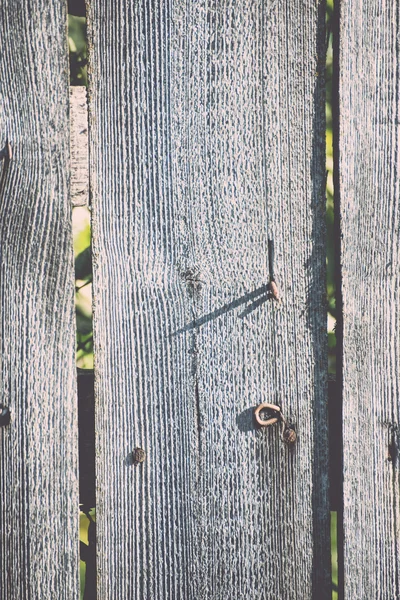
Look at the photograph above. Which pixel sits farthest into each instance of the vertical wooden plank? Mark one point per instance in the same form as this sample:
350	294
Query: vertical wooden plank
206	128
369	205
38	449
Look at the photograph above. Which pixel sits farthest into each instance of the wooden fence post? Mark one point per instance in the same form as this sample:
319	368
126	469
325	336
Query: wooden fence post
368	185
207	139
39	447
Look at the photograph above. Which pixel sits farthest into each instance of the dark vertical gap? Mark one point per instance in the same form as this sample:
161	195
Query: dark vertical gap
321	577
338	392
77	39
333	288
87	497
77	8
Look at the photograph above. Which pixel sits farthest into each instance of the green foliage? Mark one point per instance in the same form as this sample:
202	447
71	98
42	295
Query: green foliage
83	287
83	537
81	217
77	50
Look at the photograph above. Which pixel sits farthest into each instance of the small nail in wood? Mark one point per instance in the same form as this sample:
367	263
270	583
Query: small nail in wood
273	288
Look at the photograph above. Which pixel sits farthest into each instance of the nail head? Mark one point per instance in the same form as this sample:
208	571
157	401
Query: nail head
273	288
289	435
138	456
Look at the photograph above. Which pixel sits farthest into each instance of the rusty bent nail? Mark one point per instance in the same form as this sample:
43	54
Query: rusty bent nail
272	411
289	435
273	290
272	287
274	415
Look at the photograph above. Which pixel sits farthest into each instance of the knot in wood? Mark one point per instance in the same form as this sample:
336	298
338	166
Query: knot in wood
192	279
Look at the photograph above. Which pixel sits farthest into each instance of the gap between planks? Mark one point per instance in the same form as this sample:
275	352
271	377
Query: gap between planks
79	185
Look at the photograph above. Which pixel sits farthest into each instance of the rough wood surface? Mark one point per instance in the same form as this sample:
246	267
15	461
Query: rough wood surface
39	448
370	223
79	186
207	138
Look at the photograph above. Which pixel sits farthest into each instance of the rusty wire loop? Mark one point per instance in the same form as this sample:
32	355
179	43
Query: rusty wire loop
273	411
274	415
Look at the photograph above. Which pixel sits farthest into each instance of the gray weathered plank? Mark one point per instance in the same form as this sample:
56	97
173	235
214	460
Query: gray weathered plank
79	187
39	448
207	137
370	224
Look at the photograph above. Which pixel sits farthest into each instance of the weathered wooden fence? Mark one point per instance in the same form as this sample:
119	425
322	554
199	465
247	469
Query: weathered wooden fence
206	139
368	186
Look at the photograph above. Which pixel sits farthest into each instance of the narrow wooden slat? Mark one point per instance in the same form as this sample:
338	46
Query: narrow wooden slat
79	188
370	223
39	448
207	138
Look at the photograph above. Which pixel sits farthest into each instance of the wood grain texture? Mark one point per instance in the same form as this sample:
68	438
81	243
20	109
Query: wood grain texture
370	224
207	125
39	448
79	188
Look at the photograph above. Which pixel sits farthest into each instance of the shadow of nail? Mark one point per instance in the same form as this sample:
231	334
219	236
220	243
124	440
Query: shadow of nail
245	420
